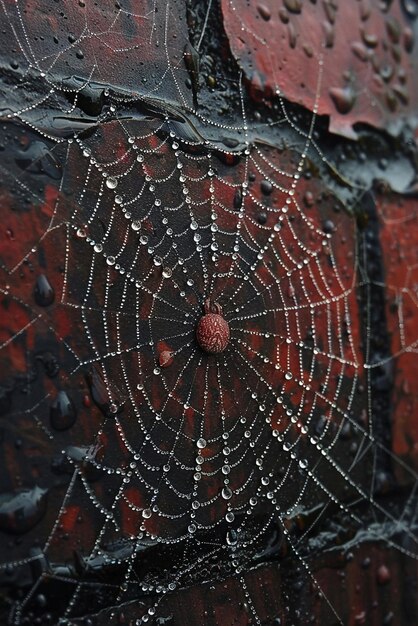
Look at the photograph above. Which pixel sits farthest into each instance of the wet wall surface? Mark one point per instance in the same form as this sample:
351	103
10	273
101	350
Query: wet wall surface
209	313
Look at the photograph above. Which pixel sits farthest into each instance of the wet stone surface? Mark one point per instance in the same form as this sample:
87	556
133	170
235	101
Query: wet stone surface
209	317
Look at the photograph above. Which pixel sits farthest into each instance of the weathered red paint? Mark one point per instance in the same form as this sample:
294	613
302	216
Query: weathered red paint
368	71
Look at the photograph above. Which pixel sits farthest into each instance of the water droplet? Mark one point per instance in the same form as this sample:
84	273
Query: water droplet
100	392
266	187
62	413
409	38
393	29
111	182
291	32
146	513
226	493
328	226
309	199
136	225
402	94
388	619
383	575
110	260
231	537
229	517
343	98
264	12
21	511
43	293
201	443
370	39
360	50
167	272
294	6
411	7
284	16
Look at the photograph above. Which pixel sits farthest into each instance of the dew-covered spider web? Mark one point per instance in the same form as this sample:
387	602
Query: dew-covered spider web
143	176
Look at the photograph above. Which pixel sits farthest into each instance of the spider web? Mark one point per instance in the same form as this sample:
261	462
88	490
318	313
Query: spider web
187	467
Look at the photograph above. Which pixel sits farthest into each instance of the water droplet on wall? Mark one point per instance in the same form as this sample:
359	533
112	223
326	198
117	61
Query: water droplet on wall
63	413
411	7
343	98
100	391
264	11
266	187
238	199
294	6
43	293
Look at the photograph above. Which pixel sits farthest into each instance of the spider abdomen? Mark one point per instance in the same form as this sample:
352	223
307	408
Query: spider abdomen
212	333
